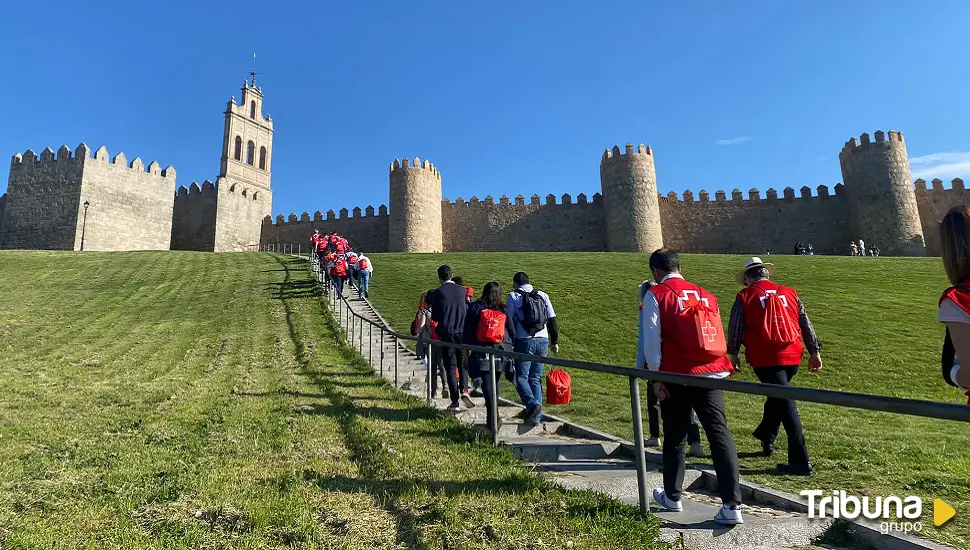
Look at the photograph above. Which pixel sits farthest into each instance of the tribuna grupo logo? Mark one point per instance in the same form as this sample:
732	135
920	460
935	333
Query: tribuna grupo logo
893	513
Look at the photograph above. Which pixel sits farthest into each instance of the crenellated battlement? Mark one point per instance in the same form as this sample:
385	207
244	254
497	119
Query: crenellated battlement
937	186
582	200
195	190
753	195
416	164
629	150
854	145
357	214
29	160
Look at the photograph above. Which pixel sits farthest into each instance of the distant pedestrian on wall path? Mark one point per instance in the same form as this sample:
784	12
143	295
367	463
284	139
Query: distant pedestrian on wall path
771	322
681	334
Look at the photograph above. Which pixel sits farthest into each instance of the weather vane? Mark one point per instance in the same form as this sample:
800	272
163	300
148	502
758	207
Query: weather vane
253	72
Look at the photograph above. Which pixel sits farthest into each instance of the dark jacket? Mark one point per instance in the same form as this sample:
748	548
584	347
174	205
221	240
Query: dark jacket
478	362
448	308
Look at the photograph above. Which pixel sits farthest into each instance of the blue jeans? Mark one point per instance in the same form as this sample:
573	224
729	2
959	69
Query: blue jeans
528	374
363	281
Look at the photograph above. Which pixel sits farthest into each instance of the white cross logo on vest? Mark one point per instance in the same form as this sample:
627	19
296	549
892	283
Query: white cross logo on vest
691	297
709	331
784	301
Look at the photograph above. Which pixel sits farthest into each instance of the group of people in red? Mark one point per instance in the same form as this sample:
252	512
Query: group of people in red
680	332
341	264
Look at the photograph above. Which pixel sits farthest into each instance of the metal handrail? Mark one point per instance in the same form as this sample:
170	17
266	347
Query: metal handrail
896	405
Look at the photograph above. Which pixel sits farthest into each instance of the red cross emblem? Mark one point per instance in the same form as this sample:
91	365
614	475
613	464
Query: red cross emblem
709	331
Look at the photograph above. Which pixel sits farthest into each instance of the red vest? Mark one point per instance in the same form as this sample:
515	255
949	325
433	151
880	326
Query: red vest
758	351
959	296
672	325
321	245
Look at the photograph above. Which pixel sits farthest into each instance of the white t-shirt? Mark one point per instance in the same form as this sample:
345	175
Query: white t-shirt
952	313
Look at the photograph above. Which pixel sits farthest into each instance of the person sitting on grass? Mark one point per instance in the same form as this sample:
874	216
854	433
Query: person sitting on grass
955	302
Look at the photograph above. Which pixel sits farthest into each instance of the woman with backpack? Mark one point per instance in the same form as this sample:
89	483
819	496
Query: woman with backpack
487	325
423	327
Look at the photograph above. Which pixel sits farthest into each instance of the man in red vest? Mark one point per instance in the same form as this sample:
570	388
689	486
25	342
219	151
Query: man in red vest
770	320
680	333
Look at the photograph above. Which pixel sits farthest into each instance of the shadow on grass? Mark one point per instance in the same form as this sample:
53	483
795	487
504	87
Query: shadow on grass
382	475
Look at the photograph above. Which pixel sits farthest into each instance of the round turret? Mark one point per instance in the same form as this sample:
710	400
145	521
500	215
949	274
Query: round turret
882	202
631	206
415	216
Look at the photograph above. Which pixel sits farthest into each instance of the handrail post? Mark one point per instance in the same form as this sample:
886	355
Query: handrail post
370	343
493	391
638	443
360	336
350	332
394	337
428	354
381	346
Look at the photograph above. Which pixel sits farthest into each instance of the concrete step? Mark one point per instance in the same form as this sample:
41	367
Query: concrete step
533	448
694	527
509	429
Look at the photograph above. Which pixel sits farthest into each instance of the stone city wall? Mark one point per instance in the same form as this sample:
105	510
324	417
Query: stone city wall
933	204
484	226
194	217
240	210
364	230
750	225
130	205
43	199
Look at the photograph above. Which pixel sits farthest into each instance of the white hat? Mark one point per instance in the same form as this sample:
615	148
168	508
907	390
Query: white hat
752	263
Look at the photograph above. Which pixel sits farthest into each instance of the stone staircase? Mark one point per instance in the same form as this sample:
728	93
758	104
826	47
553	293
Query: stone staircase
578	457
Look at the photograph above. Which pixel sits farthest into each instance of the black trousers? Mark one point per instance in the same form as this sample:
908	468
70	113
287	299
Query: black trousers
782	412
653	415
437	370
709	405
478	367
454	366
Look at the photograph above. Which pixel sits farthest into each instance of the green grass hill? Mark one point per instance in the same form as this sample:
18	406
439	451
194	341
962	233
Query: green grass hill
186	400
875	317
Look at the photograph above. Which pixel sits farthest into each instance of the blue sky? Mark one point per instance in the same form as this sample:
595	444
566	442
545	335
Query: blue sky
504	97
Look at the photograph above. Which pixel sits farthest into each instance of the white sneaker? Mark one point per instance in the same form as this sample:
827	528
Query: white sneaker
454	407
651	443
729	515
668	505
467	400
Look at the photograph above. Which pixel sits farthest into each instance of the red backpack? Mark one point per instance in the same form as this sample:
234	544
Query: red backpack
363	263
780	328
339	268
491	327
559	387
709	344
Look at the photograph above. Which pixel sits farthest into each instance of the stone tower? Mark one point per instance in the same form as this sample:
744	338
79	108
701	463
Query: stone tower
630	200
243	186
415	217
882	202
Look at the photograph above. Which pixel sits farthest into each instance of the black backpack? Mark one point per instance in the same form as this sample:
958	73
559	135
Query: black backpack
534	314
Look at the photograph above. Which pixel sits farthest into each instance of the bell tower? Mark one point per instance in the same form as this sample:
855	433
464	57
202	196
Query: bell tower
247	141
